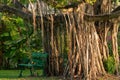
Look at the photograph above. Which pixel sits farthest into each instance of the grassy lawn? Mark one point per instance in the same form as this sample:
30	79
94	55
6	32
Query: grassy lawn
13	75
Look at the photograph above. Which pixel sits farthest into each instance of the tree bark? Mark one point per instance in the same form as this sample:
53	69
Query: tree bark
87	17
114	32
1	43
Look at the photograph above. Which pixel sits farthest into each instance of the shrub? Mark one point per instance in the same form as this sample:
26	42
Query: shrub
109	65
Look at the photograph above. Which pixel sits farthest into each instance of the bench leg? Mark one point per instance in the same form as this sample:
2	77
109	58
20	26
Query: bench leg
20	75
31	72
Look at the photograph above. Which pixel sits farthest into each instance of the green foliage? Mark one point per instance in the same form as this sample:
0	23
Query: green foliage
110	49
90	1
13	43
36	42
17	39
59	3
5	1
27	1
109	65
116	1
0	15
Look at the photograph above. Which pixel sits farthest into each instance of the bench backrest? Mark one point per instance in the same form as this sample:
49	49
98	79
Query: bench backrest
39	58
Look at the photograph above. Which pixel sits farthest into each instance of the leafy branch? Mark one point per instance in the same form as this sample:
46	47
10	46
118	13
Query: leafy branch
28	16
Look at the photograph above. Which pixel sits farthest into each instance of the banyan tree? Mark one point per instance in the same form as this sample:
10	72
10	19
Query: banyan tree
78	30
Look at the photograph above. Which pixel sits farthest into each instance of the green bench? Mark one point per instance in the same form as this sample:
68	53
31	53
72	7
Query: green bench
37	61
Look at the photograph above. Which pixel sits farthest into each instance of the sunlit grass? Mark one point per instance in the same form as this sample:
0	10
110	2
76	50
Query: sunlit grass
13	75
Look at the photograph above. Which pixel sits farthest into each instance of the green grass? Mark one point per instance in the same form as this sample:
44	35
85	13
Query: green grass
13	75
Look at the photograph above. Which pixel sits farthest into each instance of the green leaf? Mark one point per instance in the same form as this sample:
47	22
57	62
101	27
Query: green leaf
109	65
90	1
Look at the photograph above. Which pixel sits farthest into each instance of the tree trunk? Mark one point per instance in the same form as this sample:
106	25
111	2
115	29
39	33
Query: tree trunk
1	57
85	59
103	28
1	43
102	7
114	32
